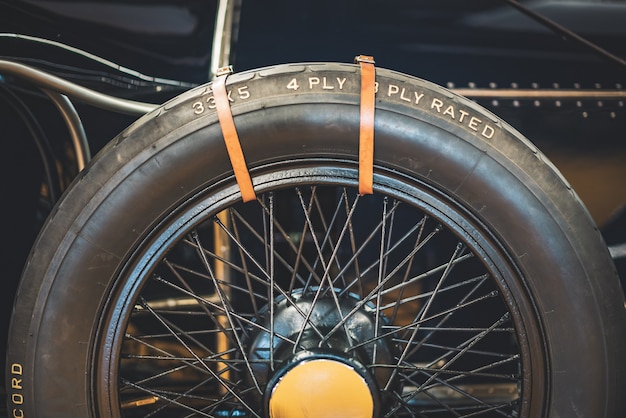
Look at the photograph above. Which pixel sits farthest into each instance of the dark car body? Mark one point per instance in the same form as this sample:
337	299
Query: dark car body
570	101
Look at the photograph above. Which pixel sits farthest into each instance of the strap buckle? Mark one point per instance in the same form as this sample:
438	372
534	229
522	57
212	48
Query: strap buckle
364	58
228	70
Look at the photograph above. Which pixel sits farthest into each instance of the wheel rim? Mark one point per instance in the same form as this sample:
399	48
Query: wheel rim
404	288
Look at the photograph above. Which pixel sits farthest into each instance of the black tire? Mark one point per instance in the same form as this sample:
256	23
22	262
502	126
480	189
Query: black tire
504	300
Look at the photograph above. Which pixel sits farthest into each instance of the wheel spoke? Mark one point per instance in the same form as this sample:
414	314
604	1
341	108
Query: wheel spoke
226	385
398	292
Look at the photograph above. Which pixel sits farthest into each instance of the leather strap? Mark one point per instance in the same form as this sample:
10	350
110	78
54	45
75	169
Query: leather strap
366	132
231	139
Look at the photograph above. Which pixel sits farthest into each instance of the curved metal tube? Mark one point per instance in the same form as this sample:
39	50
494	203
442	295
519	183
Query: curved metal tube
80	93
225	25
74	125
97	59
618	251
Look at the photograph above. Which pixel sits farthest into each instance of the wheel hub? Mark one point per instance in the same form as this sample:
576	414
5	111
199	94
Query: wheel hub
321	388
319	362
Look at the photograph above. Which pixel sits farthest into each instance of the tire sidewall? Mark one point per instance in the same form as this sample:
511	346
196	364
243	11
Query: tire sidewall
174	153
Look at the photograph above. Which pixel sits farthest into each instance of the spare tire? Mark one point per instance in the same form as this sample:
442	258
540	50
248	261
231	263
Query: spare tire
473	280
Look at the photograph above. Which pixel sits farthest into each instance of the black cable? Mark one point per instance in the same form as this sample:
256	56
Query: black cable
98	59
561	30
93	76
95	98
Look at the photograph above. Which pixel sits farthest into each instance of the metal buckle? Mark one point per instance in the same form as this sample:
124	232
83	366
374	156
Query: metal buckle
224	71
364	58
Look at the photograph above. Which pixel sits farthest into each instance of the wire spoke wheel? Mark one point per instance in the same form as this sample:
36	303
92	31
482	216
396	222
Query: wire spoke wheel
472	282
229	302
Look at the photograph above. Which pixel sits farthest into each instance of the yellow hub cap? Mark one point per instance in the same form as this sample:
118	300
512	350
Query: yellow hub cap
321	388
